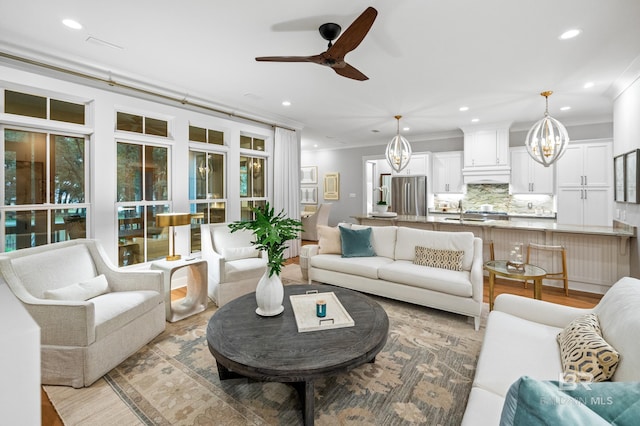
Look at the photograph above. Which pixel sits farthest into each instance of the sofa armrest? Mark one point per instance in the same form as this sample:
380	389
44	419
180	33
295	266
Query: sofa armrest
539	311
477	271
306	252
134	280
64	323
215	263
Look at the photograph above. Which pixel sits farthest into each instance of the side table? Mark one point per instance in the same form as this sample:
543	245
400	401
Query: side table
530	272
196	299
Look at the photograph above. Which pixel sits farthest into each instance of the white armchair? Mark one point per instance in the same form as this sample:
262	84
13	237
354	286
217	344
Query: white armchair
319	218
92	316
235	266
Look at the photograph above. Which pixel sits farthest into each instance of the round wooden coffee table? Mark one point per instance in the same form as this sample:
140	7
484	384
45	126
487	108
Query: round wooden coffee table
245	344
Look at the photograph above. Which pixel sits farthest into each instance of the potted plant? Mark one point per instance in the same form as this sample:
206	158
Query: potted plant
271	232
381	206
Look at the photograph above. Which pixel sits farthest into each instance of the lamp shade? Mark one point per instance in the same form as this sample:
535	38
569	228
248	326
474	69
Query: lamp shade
398	151
173	219
548	139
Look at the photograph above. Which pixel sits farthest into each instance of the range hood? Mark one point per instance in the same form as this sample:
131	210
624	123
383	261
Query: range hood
486	154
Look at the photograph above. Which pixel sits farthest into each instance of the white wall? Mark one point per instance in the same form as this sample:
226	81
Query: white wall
626	137
102	223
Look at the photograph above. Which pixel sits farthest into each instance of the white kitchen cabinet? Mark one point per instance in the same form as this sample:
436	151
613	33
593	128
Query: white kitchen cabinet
528	176
447	172
486	148
585	185
417	166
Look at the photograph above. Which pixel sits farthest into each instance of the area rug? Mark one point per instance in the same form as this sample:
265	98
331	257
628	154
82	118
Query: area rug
422	376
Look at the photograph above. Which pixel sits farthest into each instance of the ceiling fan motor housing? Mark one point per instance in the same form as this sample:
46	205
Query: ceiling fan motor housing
330	31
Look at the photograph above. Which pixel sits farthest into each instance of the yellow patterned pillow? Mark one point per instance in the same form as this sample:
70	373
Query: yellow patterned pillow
584	352
445	259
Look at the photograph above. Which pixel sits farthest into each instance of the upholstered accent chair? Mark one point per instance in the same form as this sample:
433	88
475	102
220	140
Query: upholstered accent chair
235	266
319	218
92	316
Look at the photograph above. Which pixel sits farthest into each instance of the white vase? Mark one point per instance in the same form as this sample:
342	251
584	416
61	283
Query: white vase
382	208
269	295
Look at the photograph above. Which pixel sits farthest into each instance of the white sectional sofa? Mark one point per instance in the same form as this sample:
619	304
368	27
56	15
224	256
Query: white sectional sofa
392	273
520	340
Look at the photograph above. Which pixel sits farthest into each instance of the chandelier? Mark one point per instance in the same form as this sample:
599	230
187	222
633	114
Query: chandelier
548	139
398	151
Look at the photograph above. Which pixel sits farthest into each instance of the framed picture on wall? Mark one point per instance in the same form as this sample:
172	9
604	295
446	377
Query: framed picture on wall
619	177
332	186
308	175
309	195
631	176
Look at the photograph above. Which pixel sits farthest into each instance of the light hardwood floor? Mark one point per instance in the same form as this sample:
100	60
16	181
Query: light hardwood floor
550	294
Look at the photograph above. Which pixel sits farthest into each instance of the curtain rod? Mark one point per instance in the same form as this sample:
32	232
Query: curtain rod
114	83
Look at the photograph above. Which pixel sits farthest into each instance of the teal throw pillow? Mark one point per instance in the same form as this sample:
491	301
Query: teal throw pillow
356	242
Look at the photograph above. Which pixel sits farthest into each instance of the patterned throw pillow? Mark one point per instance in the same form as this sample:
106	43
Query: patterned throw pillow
445	259
584	352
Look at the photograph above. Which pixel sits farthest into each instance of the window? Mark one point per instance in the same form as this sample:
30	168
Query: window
140	124
36	106
252	185
247	142
206	191
44	188
199	134
142	173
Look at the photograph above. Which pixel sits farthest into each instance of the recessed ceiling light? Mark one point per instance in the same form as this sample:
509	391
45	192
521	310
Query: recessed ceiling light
565	108
570	34
589	85
72	24
406	129
286	103
464	108
315	145
475	120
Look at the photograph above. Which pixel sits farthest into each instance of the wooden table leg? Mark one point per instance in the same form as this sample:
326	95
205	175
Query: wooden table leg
307	398
492	281
537	288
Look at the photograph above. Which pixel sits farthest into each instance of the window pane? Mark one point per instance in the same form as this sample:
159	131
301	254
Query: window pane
68	224
258	144
244	176
197	134
217	175
157	237
155	127
216	138
129	122
245	142
66	111
257	174
246	210
24	104
203	213
24	165
198	172
155	173
67	170
130	235
25	229
129	172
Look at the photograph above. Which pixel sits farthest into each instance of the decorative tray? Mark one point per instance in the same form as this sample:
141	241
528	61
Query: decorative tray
385	214
304	309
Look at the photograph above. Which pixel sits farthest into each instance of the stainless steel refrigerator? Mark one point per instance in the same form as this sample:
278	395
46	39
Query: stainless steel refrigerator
409	195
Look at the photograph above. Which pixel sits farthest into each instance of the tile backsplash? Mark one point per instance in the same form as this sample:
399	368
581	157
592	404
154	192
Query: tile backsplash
498	196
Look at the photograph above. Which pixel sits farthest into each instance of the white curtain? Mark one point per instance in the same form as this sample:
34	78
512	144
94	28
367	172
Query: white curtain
286	179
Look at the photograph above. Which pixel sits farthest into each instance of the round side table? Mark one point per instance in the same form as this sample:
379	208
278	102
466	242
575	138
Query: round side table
530	272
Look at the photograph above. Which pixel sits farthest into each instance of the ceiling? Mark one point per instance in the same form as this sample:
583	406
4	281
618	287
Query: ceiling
424	59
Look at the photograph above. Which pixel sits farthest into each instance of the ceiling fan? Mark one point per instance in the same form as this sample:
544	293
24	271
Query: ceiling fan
334	56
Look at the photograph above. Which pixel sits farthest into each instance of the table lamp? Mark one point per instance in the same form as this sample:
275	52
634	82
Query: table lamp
173	219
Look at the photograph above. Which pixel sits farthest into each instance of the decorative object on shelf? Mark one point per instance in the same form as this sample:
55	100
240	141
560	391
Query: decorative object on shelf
515	262
172	220
332	186
271	232
308	175
548	139
398	151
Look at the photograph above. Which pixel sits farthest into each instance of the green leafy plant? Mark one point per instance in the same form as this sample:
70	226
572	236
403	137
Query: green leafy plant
271	232
382	203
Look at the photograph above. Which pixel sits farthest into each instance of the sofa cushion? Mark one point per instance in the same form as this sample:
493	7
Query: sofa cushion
117	309
329	241
383	239
362	266
584	352
235	253
80	291
242	269
356	242
445	259
437	279
620	318
513	347
409	238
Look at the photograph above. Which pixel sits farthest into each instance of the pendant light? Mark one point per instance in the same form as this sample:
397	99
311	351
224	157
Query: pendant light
398	150
548	139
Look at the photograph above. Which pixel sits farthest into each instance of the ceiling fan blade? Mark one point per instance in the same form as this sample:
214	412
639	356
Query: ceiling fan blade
286	58
350	72
353	36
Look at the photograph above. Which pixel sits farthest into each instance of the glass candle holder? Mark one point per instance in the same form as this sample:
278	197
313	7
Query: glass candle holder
321	308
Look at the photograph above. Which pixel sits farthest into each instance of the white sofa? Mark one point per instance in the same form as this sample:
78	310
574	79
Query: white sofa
92	316
520	340
235	266
392	273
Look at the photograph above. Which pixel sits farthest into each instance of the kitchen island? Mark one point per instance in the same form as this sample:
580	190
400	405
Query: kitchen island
597	256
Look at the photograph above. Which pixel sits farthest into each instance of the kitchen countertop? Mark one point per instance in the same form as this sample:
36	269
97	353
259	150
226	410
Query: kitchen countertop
516	223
